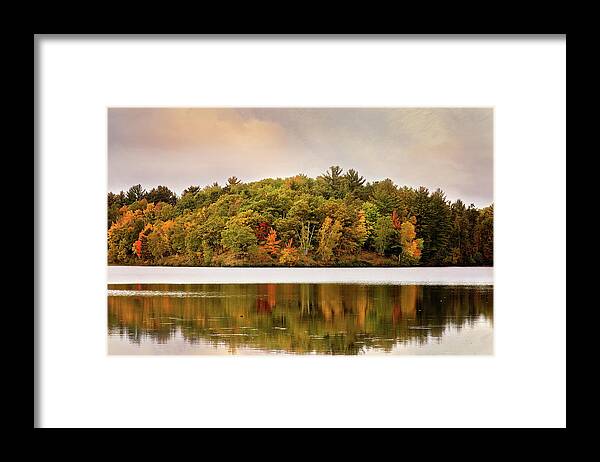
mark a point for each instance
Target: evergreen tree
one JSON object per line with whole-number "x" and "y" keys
{"x": 354, "y": 181}
{"x": 190, "y": 190}
{"x": 334, "y": 181}
{"x": 484, "y": 233}
{"x": 436, "y": 229}
{"x": 161, "y": 194}
{"x": 134, "y": 194}
{"x": 233, "y": 181}
{"x": 385, "y": 196}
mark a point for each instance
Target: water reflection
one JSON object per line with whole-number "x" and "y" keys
{"x": 295, "y": 318}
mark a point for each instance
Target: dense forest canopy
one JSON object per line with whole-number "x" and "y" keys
{"x": 336, "y": 219}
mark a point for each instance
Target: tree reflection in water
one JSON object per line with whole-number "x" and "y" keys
{"x": 295, "y": 318}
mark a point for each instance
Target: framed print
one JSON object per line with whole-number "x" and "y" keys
{"x": 266, "y": 230}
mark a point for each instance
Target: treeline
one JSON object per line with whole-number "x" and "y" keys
{"x": 336, "y": 219}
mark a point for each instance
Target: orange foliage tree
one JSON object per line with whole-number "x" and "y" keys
{"x": 289, "y": 254}
{"x": 272, "y": 243}
{"x": 137, "y": 248}
{"x": 140, "y": 247}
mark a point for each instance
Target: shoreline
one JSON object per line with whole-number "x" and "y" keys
{"x": 448, "y": 275}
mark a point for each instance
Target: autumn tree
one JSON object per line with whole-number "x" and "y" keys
{"x": 159, "y": 242}
{"x": 347, "y": 212}
{"x": 137, "y": 248}
{"x": 329, "y": 238}
{"x": 194, "y": 237}
{"x": 359, "y": 229}
{"x": 289, "y": 254}
{"x": 262, "y": 231}
{"x": 143, "y": 239}
{"x": 409, "y": 247}
{"x": 298, "y": 182}
{"x": 122, "y": 234}
{"x": 305, "y": 237}
{"x": 272, "y": 243}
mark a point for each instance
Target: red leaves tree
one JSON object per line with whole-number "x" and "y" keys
{"x": 137, "y": 248}
{"x": 140, "y": 247}
{"x": 262, "y": 231}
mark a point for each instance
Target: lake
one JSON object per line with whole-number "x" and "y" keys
{"x": 409, "y": 313}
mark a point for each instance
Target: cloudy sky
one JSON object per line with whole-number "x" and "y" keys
{"x": 434, "y": 147}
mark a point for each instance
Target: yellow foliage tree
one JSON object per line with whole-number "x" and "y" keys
{"x": 329, "y": 238}
{"x": 361, "y": 228}
{"x": 289, "y": 254}
{"x": 410, "y": 246}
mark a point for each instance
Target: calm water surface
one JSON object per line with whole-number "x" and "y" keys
{"x": 343, "y": 319}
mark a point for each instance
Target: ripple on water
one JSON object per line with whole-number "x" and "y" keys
{"x": 161, "y": 293}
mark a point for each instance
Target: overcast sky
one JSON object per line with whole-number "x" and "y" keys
{"x": 435, "y": 147}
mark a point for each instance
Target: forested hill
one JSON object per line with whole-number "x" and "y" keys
{"x": 336, "y": 219}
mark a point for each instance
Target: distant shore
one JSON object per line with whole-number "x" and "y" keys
{"x": 476, "y": 275}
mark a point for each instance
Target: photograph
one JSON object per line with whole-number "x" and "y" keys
{"x": 300, "y": 230}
